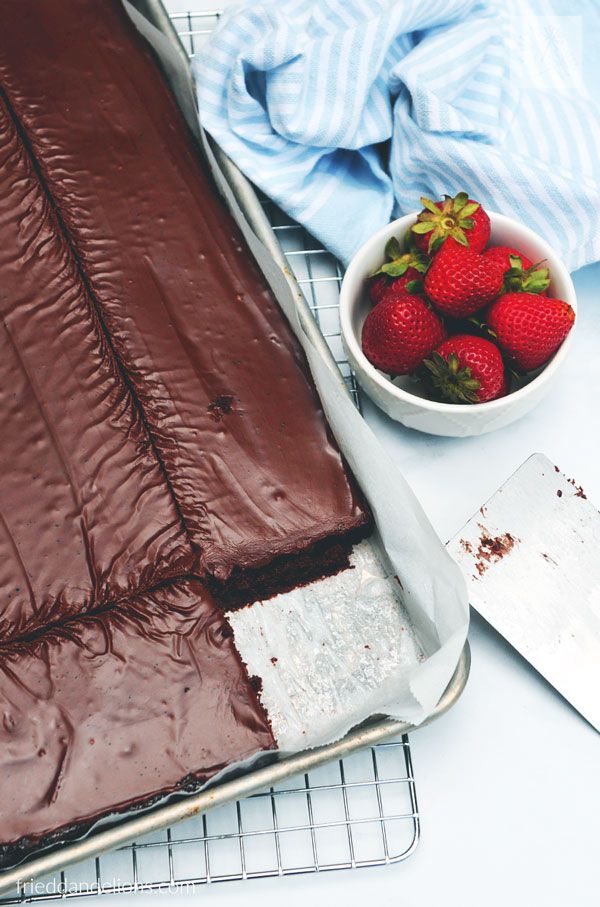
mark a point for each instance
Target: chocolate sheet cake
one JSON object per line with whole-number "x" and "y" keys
{"x": 188, "y": 312}
{"x": 85, "y": 515}
{"x": 139, "y": 700}
{"x": 164, "y": 453}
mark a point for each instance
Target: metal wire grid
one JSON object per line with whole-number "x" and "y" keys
{"x": 358, "y": 811}
{"x": 320, "y": 275}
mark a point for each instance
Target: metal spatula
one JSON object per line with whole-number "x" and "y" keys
{"x": 531, "y": 555}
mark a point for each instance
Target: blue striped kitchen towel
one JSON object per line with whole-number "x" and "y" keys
{"x": 345, "y": 112}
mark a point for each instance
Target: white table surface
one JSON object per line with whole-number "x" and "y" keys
{"x": 508, "y": 781}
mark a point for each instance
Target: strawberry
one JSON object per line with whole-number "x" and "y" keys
{"x": 505, "y": 389}
{"x": 503, "y": 254}
{"x": 400, "y": 270}
{"x": 411, "y": 282}
{"x": 399, "y": 332}
{"x": 378, "y": 288}
{"x": 467, "y": 369}
{"x": 459, "y": 281}
{"x": 457, "y": 221}
{"x": 529, "y": 328}
{"x": 520, "y": 273}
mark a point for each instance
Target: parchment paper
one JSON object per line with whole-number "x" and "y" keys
{"x": 362, "y": 643}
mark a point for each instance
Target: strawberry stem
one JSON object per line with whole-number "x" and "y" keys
{"x": 452, "y": 382}
{"x": 452, "y": 219}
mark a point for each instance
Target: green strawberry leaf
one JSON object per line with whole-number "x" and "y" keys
{"x": 452, "y": 363}
{"x": 537, "y": 282}
{"x": 459, "y": 236}
{"x": 533, "y": 280}
{"x": 392, "y": 249}
{"x": 460, "y": 201}
{"x": 449, "y": 381}
{"x": 436, "y": 362}
{"x": 415, "y": 286}
{"x": 409, "y": 240}
{"x": 395, "y": 268}
{"x": 423, "y": 227}
{"x": 469, "y": 209}
{"x": 430, "y": 205}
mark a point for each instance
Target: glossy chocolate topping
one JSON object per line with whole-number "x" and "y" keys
{"x": 117, "y": 708}
{"x": 85, "y": 514}
{"x": 158, "y": 423}
{"x": 218, "y": 375}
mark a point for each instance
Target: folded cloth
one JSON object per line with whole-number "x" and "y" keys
{"x": 345, "y": 112}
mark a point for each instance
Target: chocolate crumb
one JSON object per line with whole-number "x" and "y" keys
{"x": 491, "y": 550}
{"x": 559, "y": 493}
{"x": 256, "y": 683}
{"x": 579, "y": 492}
{"x": 548, "y": 558}
{"x": 274, "y": 660}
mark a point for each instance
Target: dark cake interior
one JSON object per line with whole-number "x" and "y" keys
{"x": 164, "y": 454}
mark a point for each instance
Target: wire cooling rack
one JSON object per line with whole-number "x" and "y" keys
{"x": 359, "y": 811}
{"x": 354, "y": 812}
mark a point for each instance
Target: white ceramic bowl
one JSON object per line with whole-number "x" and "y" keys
{"x": 403, "y": 399}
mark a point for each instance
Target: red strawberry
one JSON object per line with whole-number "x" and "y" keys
{"x": 399, "y": 332}
{"x": 506, "y": 385}
{"x": 407, "y": 267}
{"x": 378, "y": 288}
{"x": 452, "y": 222}
{"x": 459, "y": 281}
{"x": 382, "y": 285}
{"x": 467, "y": 369}
{"x": 529, "y": 328}
{"x": 503, "y": 255}
{"x": 520, "y": 274}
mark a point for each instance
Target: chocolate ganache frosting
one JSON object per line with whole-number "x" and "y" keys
{"x": 85, "y": 514}
{"x": 164, "y": 455}
{"x": 118, "y": 707}
{"x": 221, "y": 380}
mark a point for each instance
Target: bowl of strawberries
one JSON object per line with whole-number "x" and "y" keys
{"x": 455, "y": 319}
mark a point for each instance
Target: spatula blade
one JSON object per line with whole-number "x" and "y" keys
{"x": 531, "y": 556}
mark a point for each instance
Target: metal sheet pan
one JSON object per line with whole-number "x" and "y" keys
{"x": 374, "y": 731}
